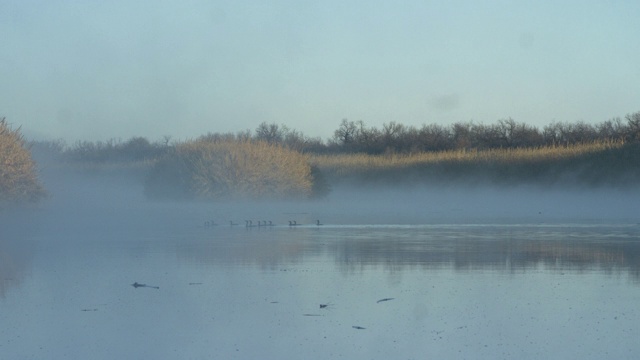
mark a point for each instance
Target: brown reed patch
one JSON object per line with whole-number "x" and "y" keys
{"x": 527, "y": 164}
{"x": 231, "y": 169}
{"x": 18, "y": 176}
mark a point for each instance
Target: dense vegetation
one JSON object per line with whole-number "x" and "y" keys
{"x": 18, "y": 176}
{"x": 505, "y": 134}
{"x": 219, "y": 165}
{"x": 223, "y": 169}
{"x": 393, "y": 138}
{"x": 592, "y": 164}
{"x": 135, "y": 150}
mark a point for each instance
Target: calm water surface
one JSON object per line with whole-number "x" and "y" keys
{"x": 509, "y": 285}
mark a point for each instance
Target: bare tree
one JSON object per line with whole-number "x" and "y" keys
{"x": 462, "y": 135}
{"x": 391, "y": 133}
{"x": 271, "y": 133}
{"x": 347, "y": 132}
{"x": 613, "y": 129}
{"x": 633, "y": 120}
{"x": 435, "y": 137}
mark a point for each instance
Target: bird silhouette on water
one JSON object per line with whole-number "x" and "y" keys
{"x": 137, "y": 285}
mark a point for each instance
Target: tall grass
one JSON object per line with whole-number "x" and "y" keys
{"x": 231, "y": 169}
{"x": 589, "y": 163}
{"x": 354, "y": 163}
{"x": 18, "y": 176}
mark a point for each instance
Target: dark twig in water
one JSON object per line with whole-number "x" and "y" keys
{"x": 137, "y": 285}
{"x": 385, "y": 299}
{"x": 358, "y": 327}
{"x": 195, "y": 283}
{"x": 312, "y": 315}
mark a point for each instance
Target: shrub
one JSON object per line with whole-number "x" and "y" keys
{"x": 230, "y": 169}
{"x": 18, "y": 176}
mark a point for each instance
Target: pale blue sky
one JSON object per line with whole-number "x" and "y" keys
{"x": 95, "y": 70}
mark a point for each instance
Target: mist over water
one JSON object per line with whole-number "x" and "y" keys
{"x": 108, "y": 201}
{"x": 478, "y": 272}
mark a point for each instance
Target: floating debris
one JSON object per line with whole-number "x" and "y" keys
{"x": 137, "y": 285}
{"x": 385, "y": 299}
{"x": 89, "y": 310}
{"x": 312, "y": 315}
{"x": 358, "y": 327}
{"x": 195, "y": 283}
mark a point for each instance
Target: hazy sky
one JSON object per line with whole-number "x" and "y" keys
{"x": 100, "y": 69}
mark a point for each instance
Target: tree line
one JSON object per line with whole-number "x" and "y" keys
{"x": 392, "y": 137}
{"x": 357, "y": 137}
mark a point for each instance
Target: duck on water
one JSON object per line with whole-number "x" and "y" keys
{"x": 294, "y": 223}
{"x": 137, "y": 285}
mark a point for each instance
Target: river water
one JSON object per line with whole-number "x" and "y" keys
{"x": 387, "y": 279}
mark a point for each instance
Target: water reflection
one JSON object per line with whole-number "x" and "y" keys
{"x": 15, "y": 263}
{"x": 503, "y": 248}
{"x": 453, "y": 291}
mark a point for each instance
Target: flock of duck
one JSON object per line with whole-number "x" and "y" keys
{"x": 261, "y": 223}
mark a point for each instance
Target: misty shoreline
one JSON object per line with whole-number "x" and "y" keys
{"x": 121, "y": 190}
{"x": 279, "y": 163}
{"x": 610, "y": 169}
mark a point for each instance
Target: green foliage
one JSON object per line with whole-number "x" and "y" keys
{"x": 18, "y": 175}
{"x": 231, "y": 169}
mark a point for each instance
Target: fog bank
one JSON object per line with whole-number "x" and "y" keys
{"x": 110, "y": 202}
